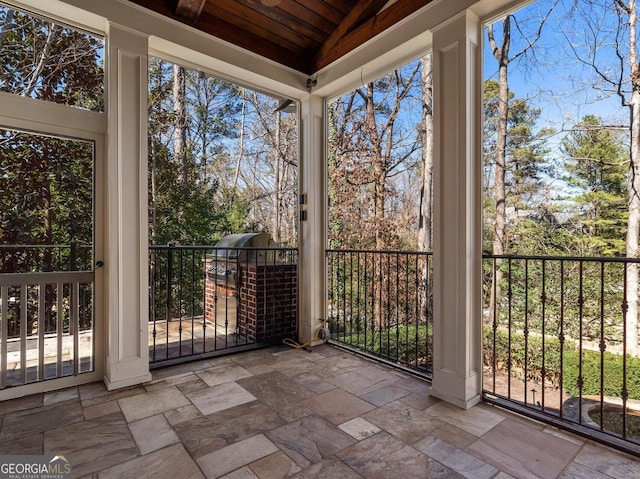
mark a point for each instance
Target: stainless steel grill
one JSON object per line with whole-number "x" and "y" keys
{"x": 238, "y": 249}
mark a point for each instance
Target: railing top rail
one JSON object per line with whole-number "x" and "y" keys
{"x": 596, "y": 259}
{"x": 18, "y": 279}
{"x": 219, "y": 248}
{"x": 44, "y": 246}
{"x": 379, "y": 251}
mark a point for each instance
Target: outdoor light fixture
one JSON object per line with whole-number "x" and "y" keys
{"x": 286, "y": 106}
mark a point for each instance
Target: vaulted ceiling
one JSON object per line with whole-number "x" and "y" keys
{"x": 306, "y": 35}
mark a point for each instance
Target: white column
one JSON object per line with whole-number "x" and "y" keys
{"x": 126, "y": 264}
{"x": 311, "y": 261}
{"x": 457, "y": 249}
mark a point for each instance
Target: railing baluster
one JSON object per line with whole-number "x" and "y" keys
{"x": 4, "y": 334}
{"x": 580, "y": 336}
{"x": 495, "y": 325}
{"x": 24, "y": 324}
{"x": 358, "y": 315}
{"x": 603, "y": 345}
{"x": 366, "y": 303}
{"x": 193, "y": 300}
{"x": 624, "y": 393}
{"x": 59, "y": 327}
{"x": 180, "y": 298}
{"x": 526, "y": 326}
{"x": 561, "y": 336}
{"x": 510, "y": 326}
{"x": 75, "y": 320}
{"x": 169, "y": 298}
{"x": 543, "y": 300}
{"x": 41, "y": 329}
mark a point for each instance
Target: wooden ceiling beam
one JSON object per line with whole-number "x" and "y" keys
{"x": 189, "y": 10}
{"x": 364, "y": 10}
{"x": 366, "y": 31}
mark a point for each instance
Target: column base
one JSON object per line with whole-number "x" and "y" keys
{"x": 461, "y": 392}
{"x": 125, "y": 374}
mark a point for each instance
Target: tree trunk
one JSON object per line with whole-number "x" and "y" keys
{"x": 501, "y": 54}
{"x": 241, "y": 143}
{"x": 379, "y": 185}
{"x": 276, "y": 187}
{"x": 180, "y": 111}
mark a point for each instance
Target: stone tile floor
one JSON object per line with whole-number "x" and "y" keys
{"x": 288, "y": 413}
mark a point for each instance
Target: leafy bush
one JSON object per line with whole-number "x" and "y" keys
{"x": 611, "y": 381}
{"x": 529, "y": 360}
{"x": 408, "y": 344}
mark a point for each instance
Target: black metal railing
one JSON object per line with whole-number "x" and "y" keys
{"x": 559, "y": 345}
{"x": 380, "y": 304}
{"x": 205, "y": 301}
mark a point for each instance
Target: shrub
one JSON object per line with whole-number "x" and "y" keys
{"x": 407, "y": 344}
{"x": 529, "y": 360}
{"x": 611, "y": 381}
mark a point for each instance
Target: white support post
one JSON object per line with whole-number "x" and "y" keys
{"x": 311, "y": 261}
{"x": 457, "y": 291}
{"x": 126, "y": 263}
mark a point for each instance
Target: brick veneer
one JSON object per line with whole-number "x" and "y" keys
{"x": 268, "y": 308}
{"x": 268, "y": 302}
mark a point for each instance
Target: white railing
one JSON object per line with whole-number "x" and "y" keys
{"x": 41, "y": 336}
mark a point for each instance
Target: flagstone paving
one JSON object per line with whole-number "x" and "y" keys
{"x": 282, "y": 413}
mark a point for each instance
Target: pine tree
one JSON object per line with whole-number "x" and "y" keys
{"x": 597, "y": 166}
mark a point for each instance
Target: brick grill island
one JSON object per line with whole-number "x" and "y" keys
{"x": 257, "y": 296}
{"x": 268, "y": 309}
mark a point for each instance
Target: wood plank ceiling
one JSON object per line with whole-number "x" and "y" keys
{"x": 306, "y": 35}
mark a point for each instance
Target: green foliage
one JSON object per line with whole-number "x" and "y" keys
{"x": 50, "y": 62}
{"x": 585, "y": 295}
{"x": 187, "y": 202}
{"x": 46, "y": 195}
{"x": 405, "y": 344}
{"x": 611, "y": 381}
{"x": 527, "y": 167}
{"x": 527, "y": 362}
{"x": 596, "y": 166}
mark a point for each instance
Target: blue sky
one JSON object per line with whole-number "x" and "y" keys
{"x": 552, "y": 76}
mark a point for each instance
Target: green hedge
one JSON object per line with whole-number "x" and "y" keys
{"x": 570, "y": 367}
{"x": 521, "y": 360}
{"x": 397, "y": 344}
{"x": 612, "y": 380}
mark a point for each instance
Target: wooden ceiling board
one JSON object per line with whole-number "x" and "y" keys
{"x": 364, "y": 10}
{"x": 259, "y": 25}
{"x": 344, "y": 7}
{"x": 305, "y": 35}
{"x": 285, "y": 14}
{"x": 265, "y": 48}
{"x": 372, "y": 27}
